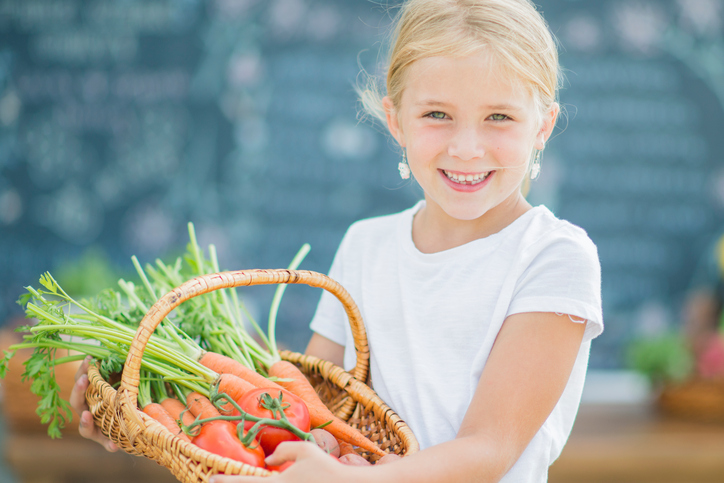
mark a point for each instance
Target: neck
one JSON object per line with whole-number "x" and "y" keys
{"x": 434, "y": 231}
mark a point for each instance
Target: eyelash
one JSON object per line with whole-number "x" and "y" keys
{"x": 433, "y": 116}
{"x": 505, "y": 118}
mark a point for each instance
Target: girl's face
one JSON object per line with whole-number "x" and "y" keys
{"x": 469, "y": 133}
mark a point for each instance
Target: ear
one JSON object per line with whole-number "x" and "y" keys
{"x": 393, "y": 121}
{"x": 549, "y": 122}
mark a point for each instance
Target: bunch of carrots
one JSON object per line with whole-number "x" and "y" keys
{"x": 204, "y": 376}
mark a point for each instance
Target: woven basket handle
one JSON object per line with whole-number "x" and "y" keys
{"x": 128, "y": 391}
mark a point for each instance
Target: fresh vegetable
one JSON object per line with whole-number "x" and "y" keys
{"x": 345, "y": 448}
{"x": 234, "y": 387}
{"x": 101, "y": 328}
{"x": 198, "y": 349}
{"x": 220, "y": 437}
{"x": 159, "y": 413}
{"x": 156, "y": 411}
{"x": 201, "y": 407}
{"x": 177, "y": 410}
{"x": 104, "y": 327}
{"x": 291, "y": 378}
{"x": 326, "y": 441}
{"x": 353, "y": 459}
{"x": 226, "y": 365}
{"x": 261, "y": 403}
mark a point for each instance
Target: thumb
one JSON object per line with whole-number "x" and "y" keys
{"x": 290, "y": 451}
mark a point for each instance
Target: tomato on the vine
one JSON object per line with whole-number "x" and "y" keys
{"x": 295, "y": 410}
{"x": 220, "y": 437}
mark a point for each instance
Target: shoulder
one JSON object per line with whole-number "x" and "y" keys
{"x": 557, "y": 250}
{"x": 378, "y": 226}
{"x": 558, "y": 271}
{"x": 546, "y": 232}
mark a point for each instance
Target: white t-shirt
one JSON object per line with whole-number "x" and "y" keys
{"x": 431, "y": 319}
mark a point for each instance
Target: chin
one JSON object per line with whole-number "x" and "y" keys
{"x": 466, "y": 213}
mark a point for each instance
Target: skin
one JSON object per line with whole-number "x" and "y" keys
{"x": 480, "y": 123}
{"x": 446, "y": 121}
{"x": 87, "y": 428}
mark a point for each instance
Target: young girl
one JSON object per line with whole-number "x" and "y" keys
{"x": 479, "y": 308}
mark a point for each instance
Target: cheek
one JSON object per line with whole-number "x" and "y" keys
{"x": 511, "y": 148}
{"x": 425, "y": 143}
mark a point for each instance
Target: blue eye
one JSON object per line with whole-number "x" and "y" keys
{"x": 499, "y": 117}
{"x": 437, "y": 115}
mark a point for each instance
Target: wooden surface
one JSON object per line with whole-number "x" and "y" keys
{"x": 635, "y": 444}
{"x": 35, "y": 458}
{"x": 609, "y": 444}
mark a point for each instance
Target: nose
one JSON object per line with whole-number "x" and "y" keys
{"x": 466, "y": 143}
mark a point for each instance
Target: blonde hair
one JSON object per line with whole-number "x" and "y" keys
{"x": 512, "y": 30}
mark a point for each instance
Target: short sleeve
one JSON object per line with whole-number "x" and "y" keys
{"x": 330, "y": 319}
{"x": 562, "y": 274}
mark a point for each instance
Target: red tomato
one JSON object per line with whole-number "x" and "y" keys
{"x": 280, "y": 467}
{"x": 219, "y": 437}
{"x": 294, "y": 409}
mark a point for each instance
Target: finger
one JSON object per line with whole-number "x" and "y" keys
{"x": 290, "y": 451}
{"x": 87, "y": 427}
{"x": 89, "y": 430}
{"x": 77, "y": 395}
{"x": 83, "y": 368}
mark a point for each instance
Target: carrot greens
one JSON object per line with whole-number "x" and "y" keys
{"x": 103, "y": 327}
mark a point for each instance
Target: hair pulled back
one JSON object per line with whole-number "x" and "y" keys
{"x": 511, "y": 30}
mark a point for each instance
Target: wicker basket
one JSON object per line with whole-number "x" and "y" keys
{"x": 695, "y": 400}
{"x": 118, "y": 416}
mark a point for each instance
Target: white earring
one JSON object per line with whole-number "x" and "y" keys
{"x": 403, "y": 167}
{"x": 535, "y": 167}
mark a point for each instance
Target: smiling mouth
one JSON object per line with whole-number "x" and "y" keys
{"x": 468, "y": 179}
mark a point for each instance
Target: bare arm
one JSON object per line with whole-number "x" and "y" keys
{"x": 320, "y": 346}
{"x": 523, "y": 380}
{"x": 524, "y": 377}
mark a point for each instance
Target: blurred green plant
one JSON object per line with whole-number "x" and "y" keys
{"x": 662, "y": 359}
{"x": 86, "y": 275}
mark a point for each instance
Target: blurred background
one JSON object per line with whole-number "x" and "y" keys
{"x": 122, "y": 121}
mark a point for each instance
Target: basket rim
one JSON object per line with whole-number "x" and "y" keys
{"x": 128, "y": 390}
{"x": 358, "y": 391}
{"x": 148, "y": 437}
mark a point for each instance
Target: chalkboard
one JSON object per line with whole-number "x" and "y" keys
{"x": 122, "y": 121}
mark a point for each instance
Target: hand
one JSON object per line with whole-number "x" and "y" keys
{"x": 87, "y": 427}
{"x": 311, "y": 465}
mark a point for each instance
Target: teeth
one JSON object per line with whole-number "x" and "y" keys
{"x": 467, "y": 178}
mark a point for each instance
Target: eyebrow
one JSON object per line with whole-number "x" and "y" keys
{"x": 495, "y": 107}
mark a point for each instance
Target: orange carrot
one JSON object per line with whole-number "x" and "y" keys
{"x": 157, "y": 412}
{"x": 234, "y": 387}
{"x": 200, "y": 406}
{"x": 318, "y": 411}
{"x": 226, "y": 365}
{"x": 345, "y": 448}
{"x": 177, "y": 410}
